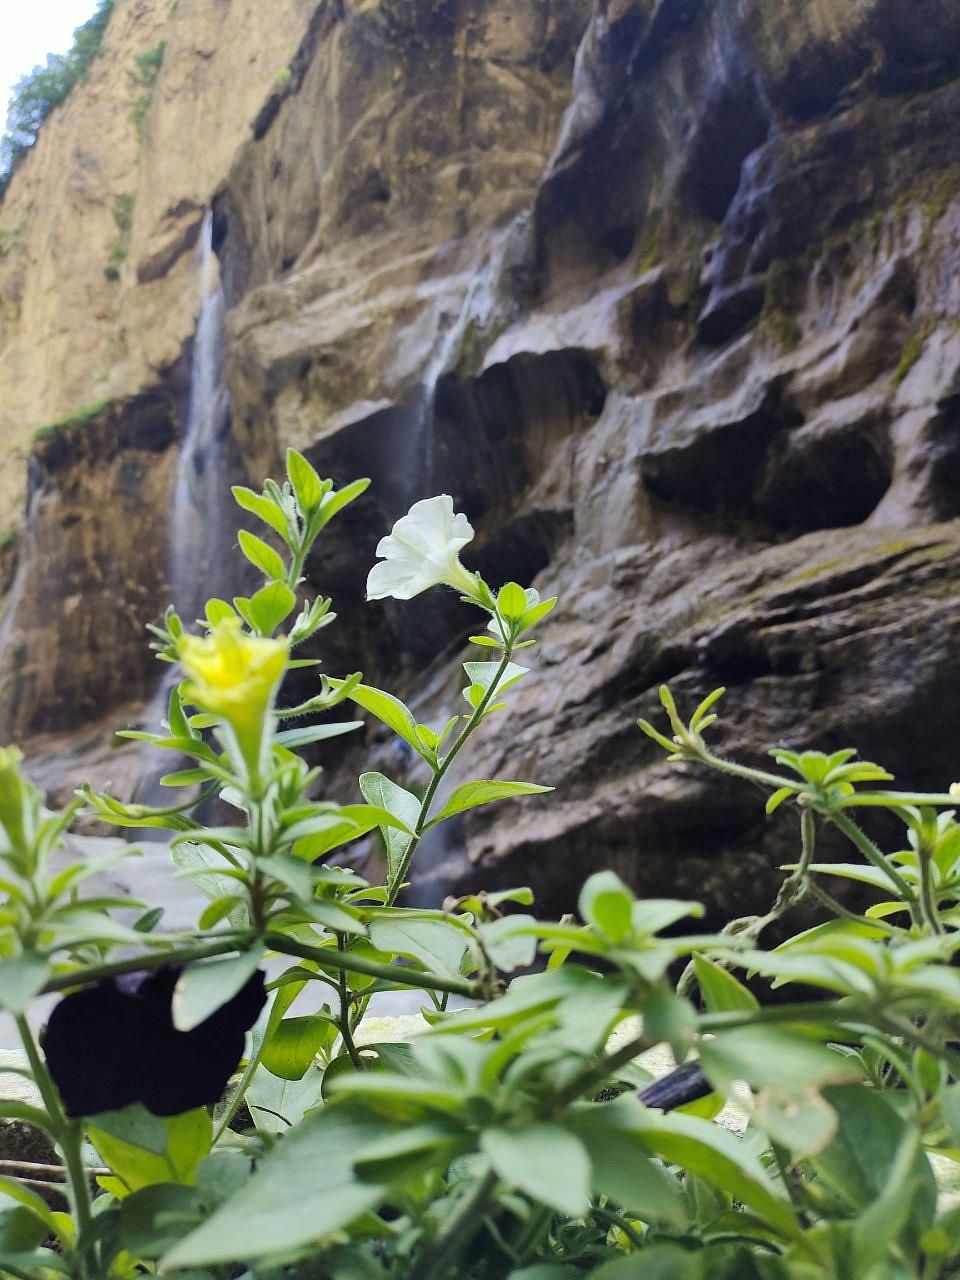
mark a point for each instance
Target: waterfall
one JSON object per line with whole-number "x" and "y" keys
{"x": 200, "y": 525}
{"x": 476, "y": 308}
{"x": 198, "y": 546}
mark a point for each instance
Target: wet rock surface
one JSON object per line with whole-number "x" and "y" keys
{"x": 666, "y": 295}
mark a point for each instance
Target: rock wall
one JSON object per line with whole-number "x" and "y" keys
{"x": 96, "y": 228}
{"x": 666, "y": 294}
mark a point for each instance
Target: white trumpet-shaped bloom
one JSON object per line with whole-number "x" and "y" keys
{"x": 422, "y": 551}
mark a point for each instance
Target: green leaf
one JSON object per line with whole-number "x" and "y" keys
{"x": 773, "y": 1057}
{"x": 154, "y": 1218}
{"x": 11, "y": 1189}
{"x": 859, "y": 871}
{"x": 261, "y": 555}
{"x": 353, "y": 821}
{"x": 407, "y": 1152}
{"x": 217, "y": 611}
{"x": 302, "y": 1190}
{"x": 483, "y": 675}
{"x": 10, "y": 1109}
{"x": 21, "y": 978}
{"x": 511, "y": 602}
{"x": 20, "y": 1231}
{"x": 548, "y": 1271}
{"x": 184, "y": 778}
{"x": 264, "y": 508}
{"x": 671, "y": 1018}
{"x": 380, "y": 791}
{"x": 204, "y": 987}
{"x": 545, "y": 1161}
{"x": 536, "y": 613}
{"x": 622, "y": 1168}
{"x": 206, "y": 868}
{"x": 269, "y": 606}
{"x": 510, "y": 942}
{"x": 651, "y": 915}
{"x": 307, "y": 485}
{"x": 438, "y": 946}
{"x": 294, "y": 1045}
{"x": 292, "y": 738}
{"x": 143, "y": 1149}
{"x": 950, "y": 1111}
{"x": 277, "y": 1105}
{"x": 335, "y": 502}
{"x": 388, "y": 709}
{"x": 709, "y": 1152}
{"x": 220, "y": 910}
{"x": 607, "y": 904}
{"x": 858, "y": 1162}
{"x": 659, "y": 1262}
{"x": 721, "y": 991}
{"x": 800, "y": 1122}
{"x": 471, "y": 794}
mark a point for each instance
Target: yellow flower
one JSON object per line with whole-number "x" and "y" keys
{"x": 235, "y": 677}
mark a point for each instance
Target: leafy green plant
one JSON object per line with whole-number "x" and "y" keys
{"x": 522, "y": 1132}
{"x": 123, "y": 217}
{"x": 38, "y": 94}
{"x": 73, "y": 420}
{"x": 143, "y": 77}
{"x": 11, "y": 240}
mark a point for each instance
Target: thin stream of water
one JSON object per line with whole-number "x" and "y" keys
{"x": 198, "y": 545}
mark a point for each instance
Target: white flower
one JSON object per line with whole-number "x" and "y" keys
{"x": 421, "y": 551}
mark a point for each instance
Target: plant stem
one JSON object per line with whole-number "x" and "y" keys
{"x": 759, "y": 776}
{"x": 808, "y": 1011}
{"x": 406, "y": 976}
{"x": 459, "y": 1228}
{"x": 67, "y": 1133}
{"x": 838, "y": 909}
{"x": 595, "y": 1075}
{"x": 345, "y": 1032}
{"x": 878, "y": 859}
{"x": 928, "y": 898}
{"x": 153, "y": 960}
{"x": 397, "y": 881}
{"x": 621, "y": 1224}
{"x": 472, "y": 723}
{"x": 531, "y": 1232}
{"x": 239, "y": 1094}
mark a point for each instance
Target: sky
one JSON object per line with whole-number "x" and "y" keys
{"x": 33, "y": 29}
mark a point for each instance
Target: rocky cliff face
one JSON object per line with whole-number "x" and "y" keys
{"x": 666, "y": 294}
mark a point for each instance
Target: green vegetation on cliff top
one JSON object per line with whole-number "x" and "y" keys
{"x": 37, "y": 94}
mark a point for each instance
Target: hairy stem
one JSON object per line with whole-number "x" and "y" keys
{"x": 473, "y": 722}
{"x": 928, "y": 897}
{"x": 838, "y": 909}
{"x": 877, "y": 859}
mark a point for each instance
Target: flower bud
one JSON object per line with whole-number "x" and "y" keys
{"x": 235, "y": 676}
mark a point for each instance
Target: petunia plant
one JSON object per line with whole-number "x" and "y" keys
{"x": 617, "y": 1093}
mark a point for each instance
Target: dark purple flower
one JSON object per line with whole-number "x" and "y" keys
{"x": 114, "y": 1043}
